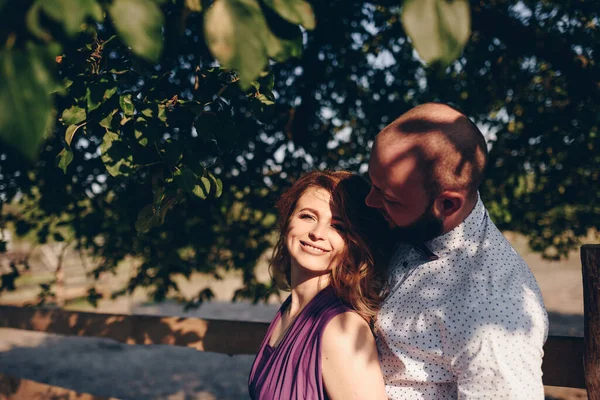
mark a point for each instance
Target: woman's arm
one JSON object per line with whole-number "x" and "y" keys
{"x": 350, "y": 364}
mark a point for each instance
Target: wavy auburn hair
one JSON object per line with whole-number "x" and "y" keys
{"x": 360, "y": 277}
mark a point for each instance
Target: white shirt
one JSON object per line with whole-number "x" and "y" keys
{"x": 470, "y": 324}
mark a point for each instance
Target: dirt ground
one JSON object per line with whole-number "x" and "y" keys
{"x": 107, "y": 368}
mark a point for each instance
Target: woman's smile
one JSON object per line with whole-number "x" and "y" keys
{"x": 310, "y": 248}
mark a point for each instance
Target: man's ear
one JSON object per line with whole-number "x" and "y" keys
{"x": 449, "y": 203}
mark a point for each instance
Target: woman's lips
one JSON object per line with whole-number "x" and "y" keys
{"x": 313, "y": 248}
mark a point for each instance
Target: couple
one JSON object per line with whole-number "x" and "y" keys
{"x": 452, "y": 312}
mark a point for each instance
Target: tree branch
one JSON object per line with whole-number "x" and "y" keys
{"x": 490, "y": 20}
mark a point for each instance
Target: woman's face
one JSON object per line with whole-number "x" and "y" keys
{"x": 315, "y": 236}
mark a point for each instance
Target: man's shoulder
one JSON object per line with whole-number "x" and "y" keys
{"x": 489, "y": 248}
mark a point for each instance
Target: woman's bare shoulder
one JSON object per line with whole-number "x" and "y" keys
{"x": 347, "y": 331}
{"x": 350, "y": 364}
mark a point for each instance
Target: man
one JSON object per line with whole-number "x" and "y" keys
{"x": 464, "y": 318}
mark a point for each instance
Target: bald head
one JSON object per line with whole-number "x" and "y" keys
{"x": 449, "y": 149}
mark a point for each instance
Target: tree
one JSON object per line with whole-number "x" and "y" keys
{"x": 194, "y": 159}
{"x": 527, "y": 74}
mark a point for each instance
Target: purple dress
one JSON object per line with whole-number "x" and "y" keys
{"x": 292, "y": 370}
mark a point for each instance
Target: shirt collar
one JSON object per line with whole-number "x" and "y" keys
{"x": 470, "y": 227}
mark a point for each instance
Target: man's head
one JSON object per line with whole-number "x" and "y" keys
{"x": 425, "y": 168}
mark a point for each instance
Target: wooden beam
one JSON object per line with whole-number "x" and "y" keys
{"x": 562, "y": 366}
{"x": 16, "y": 388}
{"x": 590, "y": 264}
{"x": 219, "y": 336}
{"x": 563, "y": 362}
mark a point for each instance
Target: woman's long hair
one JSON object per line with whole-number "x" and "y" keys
{"x": 360, "y": 277}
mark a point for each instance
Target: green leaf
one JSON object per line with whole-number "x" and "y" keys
{"x": 139, "y": 22}
{"x": 66, "y": 84}
{"x": 32, "y": 20}
{"x": 72, "y": 13}
{"x": 63, "y": 159}
{"x": 236, "y": 33}
{"x": 217, "y": 185}
{"x": 268, "y": 81}
{"x": 185, "y": 179}
{"x": 106, "y": 122}
{"x": 126, "y": 105}
{"x": 298, "y": 12}
{"x": 438, "y": 29}
{"x": 281, "y": 49}
{"x": 147, "y": 112}
{"x": 26, "y": 81}
{"x": 255, "y": 85}
{"x": 197, "y": 168}
{"x": 162, "y": 113}
{"x": 98, "y": 93}
{"x": 202, "y": 189}
{"x": 71, "y": 132}
{"x": 264, "y": 99}
{"x": 73, "y": 115}
{"x": 164, "y": 208}
{"x": 147, "y": 219}
{"x": 205, "y": 183}
{"x": 194, "y": 5}
{"x": 141, "y": 139}
{"x": 144, "y": 133}
{"x": 159, "y": 195}
{"x": 116, "y": 155}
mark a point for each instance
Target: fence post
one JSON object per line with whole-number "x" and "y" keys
{"x": 590, "y": 264}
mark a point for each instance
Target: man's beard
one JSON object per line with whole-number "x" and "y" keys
{"x": 425, "y": 228}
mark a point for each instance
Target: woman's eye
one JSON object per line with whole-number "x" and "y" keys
{"x": 306, "y": 216}
{"x": 339, "y": 227}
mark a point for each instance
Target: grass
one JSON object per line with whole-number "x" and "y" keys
{"x": 33, "y": 279}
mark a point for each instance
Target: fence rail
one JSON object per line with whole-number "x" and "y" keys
{"x": 568, "y": 361}
{"x": 562, "y": 361}
{"x": 218, "y": 336}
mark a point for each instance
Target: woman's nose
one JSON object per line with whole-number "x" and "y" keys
{"x": 317, "y": 232}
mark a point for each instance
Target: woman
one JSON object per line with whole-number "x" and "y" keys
{"x": 320, "y": 344}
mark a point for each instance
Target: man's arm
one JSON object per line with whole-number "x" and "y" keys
{"x": 497, "y": 363}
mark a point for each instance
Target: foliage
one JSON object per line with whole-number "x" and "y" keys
{"x": 193, "y": 155}
{"x": 438, "y": 28}
{"x": 134, "y": 124}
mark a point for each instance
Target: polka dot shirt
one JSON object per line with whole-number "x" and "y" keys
{"x": 464, "y": 318}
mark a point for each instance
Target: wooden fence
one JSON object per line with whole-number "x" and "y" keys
{"x": 568, "y": 361}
